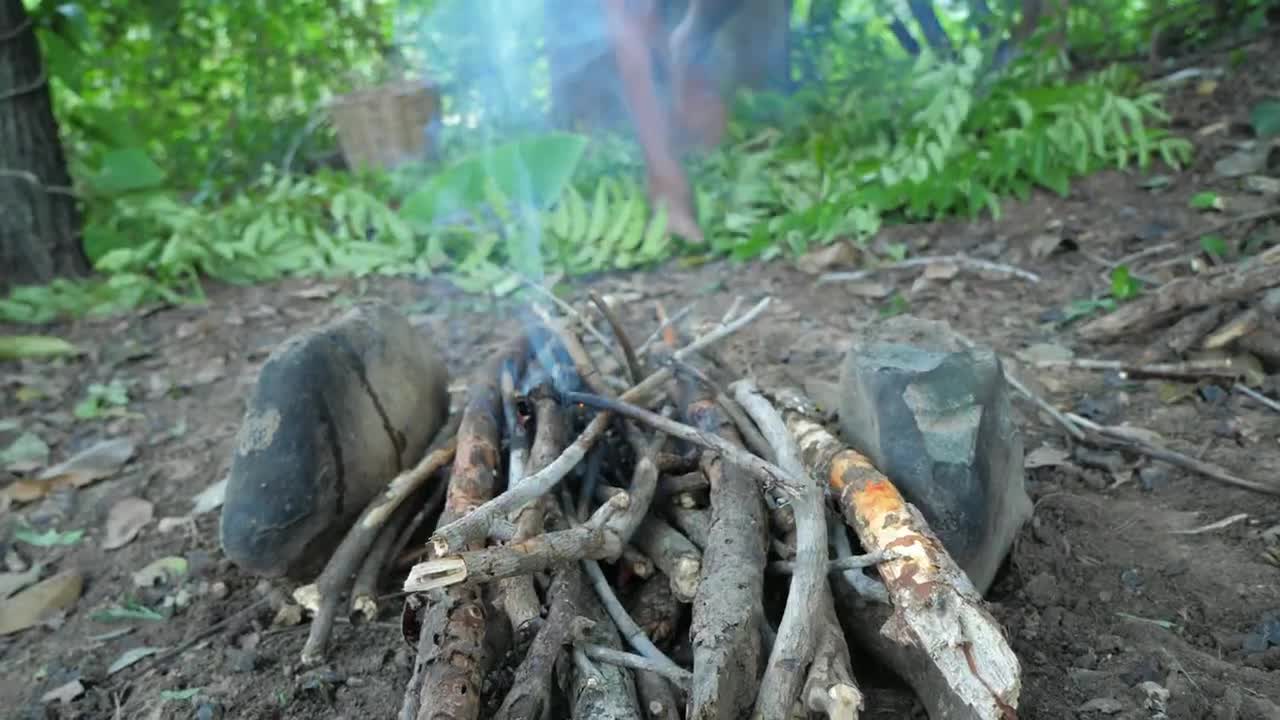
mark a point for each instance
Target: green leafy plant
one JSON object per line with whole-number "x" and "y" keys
{"x": 1123, "y": 285}
{"x": 1215, "y": 246}
{"x": 1206, "y": 201}
{"x": 177, "y": 149}
{"x": 103, "y": 400}
{"x": 48, "y": 538}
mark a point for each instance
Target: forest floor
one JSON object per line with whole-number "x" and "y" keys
{"x": 1102, "y": 592}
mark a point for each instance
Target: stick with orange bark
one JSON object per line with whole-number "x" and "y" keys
{"x": 941, "y": 638}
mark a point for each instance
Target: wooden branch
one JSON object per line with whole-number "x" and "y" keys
{"x": 1217, "y": 367}
{"x": 770, "y": 476}
{"x": 695, "y": 523}
{"x": 631, "y": 632}
{"x": 601, "y": 690}
{"x": 956, "y": 655}
{"x": 793, "y": 649}
{"x": 531, "y": 690}
{"x": 1124, "y": 438}
{"x": 673, "y": 554}
{"x": 909, "y": 263}
{"x": 1226, "y": 283}
{"x": 517, "y": 595}
{"x": 634, "y": 370}
{"x": 611, "y": 656}
{"x": 322, "y": 596}
{"x": 837, "y": 565}
{"x": 725, "y": 628}
{"x": 658, "y": 614}
{"x": 478, "y": 523}
{"x": 592, "y": 541}
{"x": 364, "y": 591}
{"x": 455, "y": 674}
{"x": 829, "y": 687}
{"x": 866, "y": 588}
{"x": 644, "y": 485}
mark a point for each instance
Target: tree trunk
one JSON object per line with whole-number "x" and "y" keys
{"x": 39, "y": 216}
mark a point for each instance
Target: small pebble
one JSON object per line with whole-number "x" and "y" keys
{"x": 1213, "y": 394}
{"x": 1131, "y": 579}
{"x": 219, "y": 590}
{"x": 1152, "y": 478}
{"x": 241, "y": 661}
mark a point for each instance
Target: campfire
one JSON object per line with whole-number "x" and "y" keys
{"x": 668, "y": 540}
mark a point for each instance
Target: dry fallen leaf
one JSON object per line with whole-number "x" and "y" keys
{"x": 64, "y": 693}
{"x": 837, "y": 254}
{"x": 130, "y": 657}
{"x": 125, "y": 520}
{"x": 101, "y": 460}
{"x": 12, "y": 582}
{"x": 25, "y": 491}
{"x": 24, "y": 454}
{"x": 37, "y": 602}
{"x": 1043, "y": 245}
{"x": 210, "y": 498}
{"x": 1045, "y": 456}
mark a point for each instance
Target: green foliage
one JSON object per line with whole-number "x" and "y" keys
{"x": 1206, "y": 201}
{"x": 1265, "y": 118}
{"x": 205, "y": 93}
{"x": 179, "y": 117}
{"x": 1214, "y": 245}
{"x": 940, "y": 145}
{"x": 49, "y": 538}
{"x": 102, "y": 400}
{"x": 1123, "y": 285}
{"x": 17, "y": 347}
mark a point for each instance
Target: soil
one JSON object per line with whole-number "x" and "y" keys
{"x": 1111, "y": 611}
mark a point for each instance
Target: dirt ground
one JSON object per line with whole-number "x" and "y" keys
{"x": 1100, "y": 596}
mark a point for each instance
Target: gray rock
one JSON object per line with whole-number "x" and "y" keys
{"x": 337, "y": 411}
{"x": 935, "y": 418}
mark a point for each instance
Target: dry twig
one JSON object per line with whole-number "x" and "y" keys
{"x": 793, "y": 649}
{"x": 1130, "y": 439}
{"x": 1227, "y": 283}
{"x": 477, "y": 524}
{"x": 323, "y": 595}
{"x": 963, "y": 260}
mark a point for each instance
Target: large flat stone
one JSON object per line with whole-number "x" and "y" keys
{"x": 935, "y": 417}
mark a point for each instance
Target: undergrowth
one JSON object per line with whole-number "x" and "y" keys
{"x": 836, "y": 162}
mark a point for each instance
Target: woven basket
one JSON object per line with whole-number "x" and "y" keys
{"x": 384, "y": 126}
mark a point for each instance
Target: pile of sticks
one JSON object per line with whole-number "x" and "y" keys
{"x": 679, "y": 549}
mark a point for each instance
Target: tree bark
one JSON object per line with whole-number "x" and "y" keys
{"x": 39, "y": 215}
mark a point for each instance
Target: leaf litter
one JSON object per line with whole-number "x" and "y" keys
{"x": 101, "y": 460}
{"x": 125, "y": 520}
{"x": 40, "y": 601}
{"x": 64, "y": 693}
{"x": 12, "y": 582}
{"x": 132, "y": 656}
